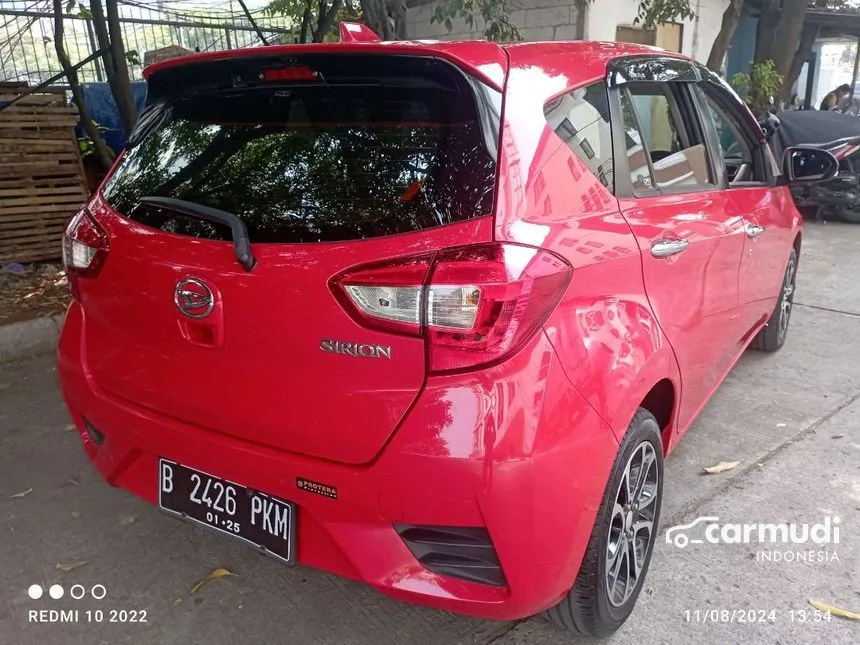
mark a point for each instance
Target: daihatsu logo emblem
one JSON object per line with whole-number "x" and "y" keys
{"x": 193, "y": 298}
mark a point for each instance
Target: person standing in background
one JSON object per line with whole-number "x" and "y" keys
{"x": 835, "y": 97}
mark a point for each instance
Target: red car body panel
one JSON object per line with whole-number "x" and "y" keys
{"x": 489, "y": 449}
{"x": 764, "y": 257}
{"x": 246, "y": 394}
{"x": 694, "y": 295}
{"x": 232, "y": 354}
{"x": 610, "y": 344}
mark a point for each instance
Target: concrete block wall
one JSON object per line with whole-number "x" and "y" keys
{"x": 558, "y": 20}
{"x": 535, "y": 19}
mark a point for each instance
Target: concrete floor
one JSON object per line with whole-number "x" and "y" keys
{"x": 792, "y": 418}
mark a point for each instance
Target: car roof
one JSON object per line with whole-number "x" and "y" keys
{"x": 483, "y": 58}
{"x": 581, "y": 61}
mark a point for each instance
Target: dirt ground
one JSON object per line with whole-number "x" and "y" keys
{"x": 41, "y": 289}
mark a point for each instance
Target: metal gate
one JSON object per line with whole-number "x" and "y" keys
{"x": 27, "y": 53}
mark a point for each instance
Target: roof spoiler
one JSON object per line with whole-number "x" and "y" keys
{"x": 355, "y": 32}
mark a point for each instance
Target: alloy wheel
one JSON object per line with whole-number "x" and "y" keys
{"x": 631, "y": 528}
{"x": 787, "y": 297}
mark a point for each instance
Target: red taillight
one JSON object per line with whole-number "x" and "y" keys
{"x": 475, "y": 305}
{"x": 85, "y": 248}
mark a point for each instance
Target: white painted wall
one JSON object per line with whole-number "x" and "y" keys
{"x": 699, "y": 34}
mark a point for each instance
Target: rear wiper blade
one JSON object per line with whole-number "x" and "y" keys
{"x": 238, "y": 229}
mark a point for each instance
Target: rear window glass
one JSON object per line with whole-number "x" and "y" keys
{"x": 312, "y": 163}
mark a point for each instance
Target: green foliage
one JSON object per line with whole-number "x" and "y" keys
{"x": 656, "y": 12}
{"x": 498, "y": 26}
{"x": 493, "y": 13}
{"x": 295, "y": 11}
{"x": 86, "y": 146}
{"x": 132, "y": 56}
{"x": 82, "y": 11}
{"x": 759, "y": 86}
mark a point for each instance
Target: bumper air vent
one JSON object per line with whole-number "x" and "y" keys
{"x": 459, "y": 552}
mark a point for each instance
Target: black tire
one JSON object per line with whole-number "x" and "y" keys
{"x": 772, "y": 336}
{"x": 850, "y": 215}
{"x": 587, "y": 608}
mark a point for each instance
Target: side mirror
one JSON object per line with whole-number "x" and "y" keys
{"x": 808, "y": 165}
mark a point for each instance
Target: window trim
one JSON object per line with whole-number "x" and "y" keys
{"x": 619, "y": 153}
{"x": 664, "y": 69}
{"x": 726, "y": 104}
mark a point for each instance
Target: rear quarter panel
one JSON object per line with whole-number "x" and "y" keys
{"x": 604, "y": 331}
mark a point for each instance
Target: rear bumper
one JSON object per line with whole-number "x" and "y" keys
{"x": 514, "y": 449}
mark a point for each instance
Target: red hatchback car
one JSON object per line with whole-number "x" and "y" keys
{"x": 427, "y": 315}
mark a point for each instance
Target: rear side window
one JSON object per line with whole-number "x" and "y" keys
{"x": 581, "y": 119}
{"x": 348, "y": 159}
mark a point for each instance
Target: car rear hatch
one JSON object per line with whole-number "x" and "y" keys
{"x": 328, "y": 160}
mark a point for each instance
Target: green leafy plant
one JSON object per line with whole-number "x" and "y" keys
{"x": 498, "y": 26}
{"x": 656, "y": 12}
{"x": 759, "y": 86}
{"x": 87, "y": 147}
{"x": 651, "y": 13}
{"x": 315, "y": 20}
{"x": 492, "y": 13}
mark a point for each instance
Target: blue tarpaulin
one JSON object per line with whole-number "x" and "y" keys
{"x": 103, "y": 111}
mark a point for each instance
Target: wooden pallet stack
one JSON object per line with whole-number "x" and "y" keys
{"x": 42, "y": 180}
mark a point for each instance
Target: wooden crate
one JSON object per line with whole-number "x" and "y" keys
{"x": 42, "y": 180}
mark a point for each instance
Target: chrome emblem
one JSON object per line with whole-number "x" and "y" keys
{"x": 358, "y": 350}
{"x": 193, "y": 298}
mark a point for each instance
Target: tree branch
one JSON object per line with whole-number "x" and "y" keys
{"x": 102, "y": 151}
{"x": 306, "y": 22}
{"x": 804, "y": 51}
{"x": 122, "y": 89}
{"x": 100, "y": 27}
{"x": 326, "y": 19}
{"x": 731, "y": 17}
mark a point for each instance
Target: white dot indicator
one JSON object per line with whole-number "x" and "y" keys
{"x": 56, "y": 592}
{"x": 35, "y": 592}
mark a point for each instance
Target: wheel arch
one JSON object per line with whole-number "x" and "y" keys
{"x": 657, "y": 389}
{"x": 662, "y": 401}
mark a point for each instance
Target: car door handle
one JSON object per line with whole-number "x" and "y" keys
{"x": 754, "y": 230}
{"x": 666, "y": 248}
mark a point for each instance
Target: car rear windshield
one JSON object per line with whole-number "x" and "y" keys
{"x": 314, "y": 162}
